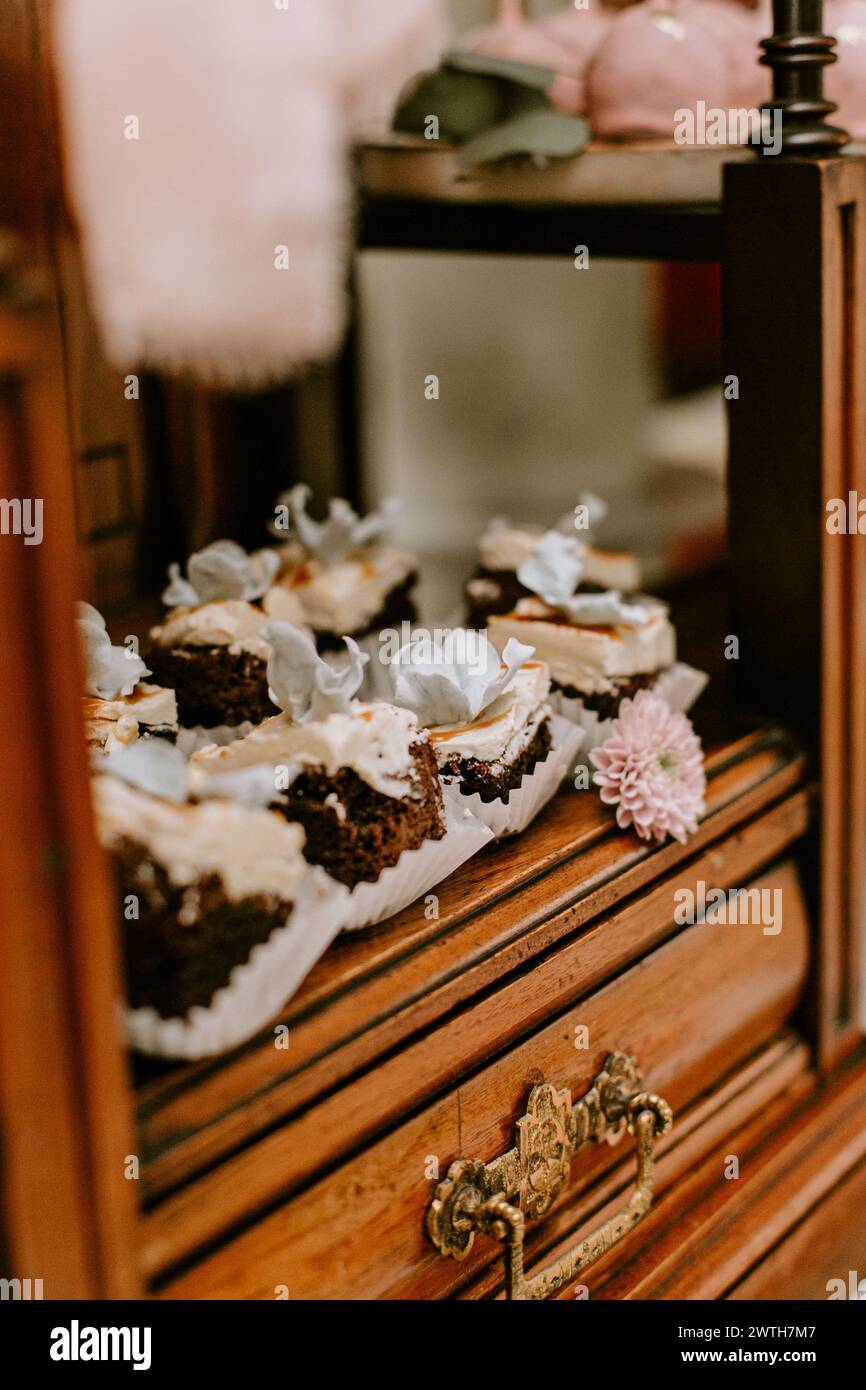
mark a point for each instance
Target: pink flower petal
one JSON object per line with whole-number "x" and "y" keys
{"x": 651, "y": 768}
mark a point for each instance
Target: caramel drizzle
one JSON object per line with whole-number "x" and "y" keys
{"x": 442, "y": 735}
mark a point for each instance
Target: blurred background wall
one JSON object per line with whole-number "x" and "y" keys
{"x": 545, "y": 372}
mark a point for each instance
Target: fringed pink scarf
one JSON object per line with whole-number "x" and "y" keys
{"x": 206, "y": 144}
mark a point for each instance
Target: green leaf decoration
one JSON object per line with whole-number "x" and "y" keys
{"x": 464, "y": 103}
{"x": 547, "y": 133}
{"x": 492, "y": 108}
{"x": 510, "y": 69}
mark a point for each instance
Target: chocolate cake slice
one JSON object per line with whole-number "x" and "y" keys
{"x": 491, "y": 755}
{"x": 494, "y": 780}
{"x": 487, "y": 717}
{"x": 606, "y": 703}
{"x": 601, "y": 664}
{"x": 495, "y": 588}
{"x": 354, "y": 831}
{"x": 198, "y": 886}
{"x": 119, "y": 706}
{"x": 360, "y": 778}
{"x": 217, "y": 662}
{"x": 347, "y": 581}
{"x": 209, "y": 649}
{"x": 600, "y": 647}
{"x": 362, "y": 784}
{"x": 364, "y": 592}
{"x": 221, "y": 682}
{"x": 149, "y": 712}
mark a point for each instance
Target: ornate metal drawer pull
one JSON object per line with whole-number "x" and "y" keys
{"x": 497, "y": 1198}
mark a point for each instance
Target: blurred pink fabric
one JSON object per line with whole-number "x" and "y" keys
{"x": 244, "y": 117}
{"x": 845, "y": 81}
{"x": 657, "y": 58}
{"x": 580, "y": 33}
{"x": 512, "y": 36}
{"x": 631, "y": 67}
{"x": 738, "y": 31}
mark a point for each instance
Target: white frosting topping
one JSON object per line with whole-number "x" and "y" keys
{"x": 115, "y": 723}
{"x": 343, "y": 598}
{"x": 231, "y": 623}
{"x": 110, "y": 735}
{"x": 508, "y": 547}
{"x": 612, "y": 569}
{"x": 253, "y": 850}
{"x": 505, "y": 727}
{"x": 148, "y": 704}
{"x": 373, "y": 740}
{"x": 589, "y": 658}
{"x": 483, "y": 590}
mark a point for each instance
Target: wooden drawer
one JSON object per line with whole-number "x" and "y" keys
{"x": 824, "y": 1256}
{"x": 782, "y": 1225}
{"x": 693, "y": 1011}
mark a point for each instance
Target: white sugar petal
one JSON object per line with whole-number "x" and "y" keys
{"x": 452, "y": 678}
{"x": 153, "y": 766}
{"x": 554, "y": 568}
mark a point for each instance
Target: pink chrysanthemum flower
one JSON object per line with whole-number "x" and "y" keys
{"x": 651, "y": 769}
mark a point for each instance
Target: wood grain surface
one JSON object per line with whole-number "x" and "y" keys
{"x": 690, "y": 1010}
{"x": 64, "y": 1096}
{"x": 706, "y": 1248}
{"x": 797, "y": 436}
{"x": 828, "y": 1244}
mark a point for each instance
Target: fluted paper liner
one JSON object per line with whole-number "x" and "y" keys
{"x": 417, "y": 871}
{"x": 536, "y": 788}
{"x": 679, "y": 686}
{"x": 257, "y": 989}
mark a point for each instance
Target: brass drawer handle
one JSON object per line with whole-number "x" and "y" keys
{"x": 498, "y": 1198}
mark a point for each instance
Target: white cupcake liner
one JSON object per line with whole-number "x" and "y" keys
{"x": 679, "y": 686}
{"x": 536, "y": 788}
{"x": 417, "y": 871}
{"x": 190, "y": 740}
{"x": 257, "y": 989}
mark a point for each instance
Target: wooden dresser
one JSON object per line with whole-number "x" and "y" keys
{"x": 308, "y": 1161}
{"x": 519, "y": 1039}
